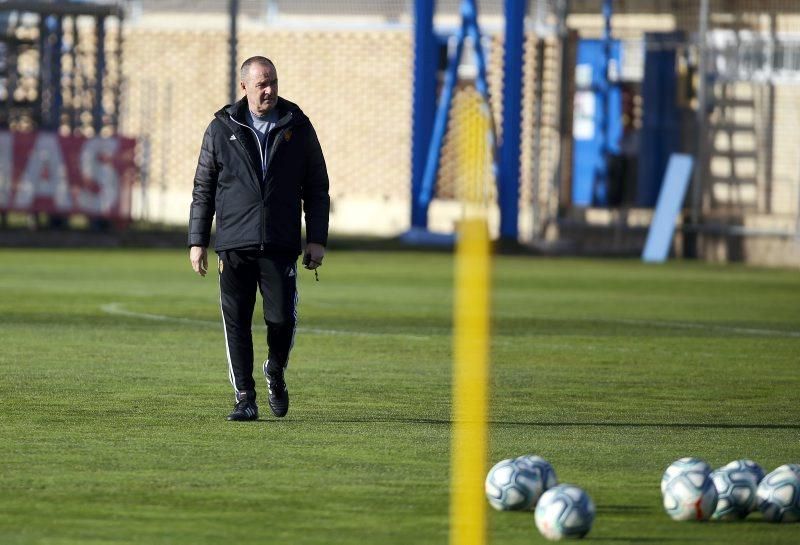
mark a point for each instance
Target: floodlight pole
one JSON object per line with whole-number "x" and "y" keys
{"x": 100, "y": 70}
{"x": 702, "y": 106}
{"x": 562, "y": 177}
{"x": 233, "y": 9}
{"x": 50, "y": 44}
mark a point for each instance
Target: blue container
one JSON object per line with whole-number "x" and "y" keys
{"x": 597, "y": 121}
{"x": 660, "y": 133}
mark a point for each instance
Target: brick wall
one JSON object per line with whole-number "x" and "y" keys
{"x": 355, "y": 86}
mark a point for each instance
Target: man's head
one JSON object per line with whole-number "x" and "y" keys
{"x": 259, "y": 81}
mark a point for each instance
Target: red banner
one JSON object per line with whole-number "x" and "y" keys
{"x": 46, "y": 172}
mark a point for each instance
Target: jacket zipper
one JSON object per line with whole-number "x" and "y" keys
{"x": 262, "y": 156}
{"x": 276, "y": 142}
{"x": 261, "y": 153}
{"x": 265, "y": 162}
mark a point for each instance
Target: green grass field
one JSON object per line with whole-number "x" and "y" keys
{"x": 114, "y": 392}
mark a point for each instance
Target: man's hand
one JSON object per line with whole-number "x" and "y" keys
{"x": 314, "y": 255}
{"x": 199, "y": 258}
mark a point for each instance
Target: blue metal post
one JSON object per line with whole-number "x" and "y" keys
{"x": 469, "y": 15}
{"x": 440, "y": 126}
{"x": 601, "y": 183}
{"x": 424, "y": 106}
{"x": 423, "y": 193}
{"x": 509, "y": 168}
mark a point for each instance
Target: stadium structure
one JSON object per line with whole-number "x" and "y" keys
{"x": 590, "y": 98}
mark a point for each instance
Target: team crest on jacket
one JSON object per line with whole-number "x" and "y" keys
{"x": 287, "y": 135}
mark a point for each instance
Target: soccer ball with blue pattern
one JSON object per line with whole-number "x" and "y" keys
{"x": 512, "y": 485}
{"x": 748, "y": 466}
{"x": 736, "y": 490}
{"x": 690, "y": 495}
{"x": 543, "y": 468}
{"x": 564, "y": 511}
{"x": 684, "y": 465}
{"x": 779, "y": 495}
{"x": 794, "y": 468}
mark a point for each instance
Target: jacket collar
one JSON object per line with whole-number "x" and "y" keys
{"x": 288, "y": 112}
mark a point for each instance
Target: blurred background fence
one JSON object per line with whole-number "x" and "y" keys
{"x": 349, "y": 64}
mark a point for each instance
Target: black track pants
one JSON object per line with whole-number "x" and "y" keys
{"x": 240, "y": 272}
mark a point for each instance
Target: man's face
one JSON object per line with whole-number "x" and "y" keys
{"x": 261, "y": 88}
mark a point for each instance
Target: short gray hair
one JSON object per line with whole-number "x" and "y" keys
{"x": 245, "y": 70}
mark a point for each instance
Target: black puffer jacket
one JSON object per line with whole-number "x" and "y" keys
{"x": 257, "y": 199}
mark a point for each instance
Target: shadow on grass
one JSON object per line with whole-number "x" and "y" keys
{"x": 447, "y": 422}
{"x": 742, "y": 426}
{"x": 641, "y": 539}
{"x": 624, "y": 509}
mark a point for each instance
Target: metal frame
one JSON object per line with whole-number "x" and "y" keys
{"x": 428, "y": 136}
{"x": 424, "y": 109}
{"x": 508, "y": 178}
{"x": 48, "y": 108}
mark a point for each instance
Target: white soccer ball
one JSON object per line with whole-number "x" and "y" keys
{"x": 749, "y": 466}
{"x": 512, "y": 485}
{"x": 543, "y": 468}
{"x": 779, "y": 496}
{"x": 684, "y": 465}
{"x": 690, "y": 495}
{"x": 736, "y": 491}
{"x": 564, "y": 511}
{"x": 794, "y": 468}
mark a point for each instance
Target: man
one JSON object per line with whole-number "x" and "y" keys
{"x": 260, "y": 164}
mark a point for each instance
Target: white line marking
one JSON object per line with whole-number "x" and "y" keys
{"x": 710, "y": 327}
{"x": 118, "y": 310}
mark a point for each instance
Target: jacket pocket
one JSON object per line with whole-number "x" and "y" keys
{"x": 220, "y": 212}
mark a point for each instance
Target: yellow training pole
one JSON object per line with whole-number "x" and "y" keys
{"x": 471, "y": 335}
